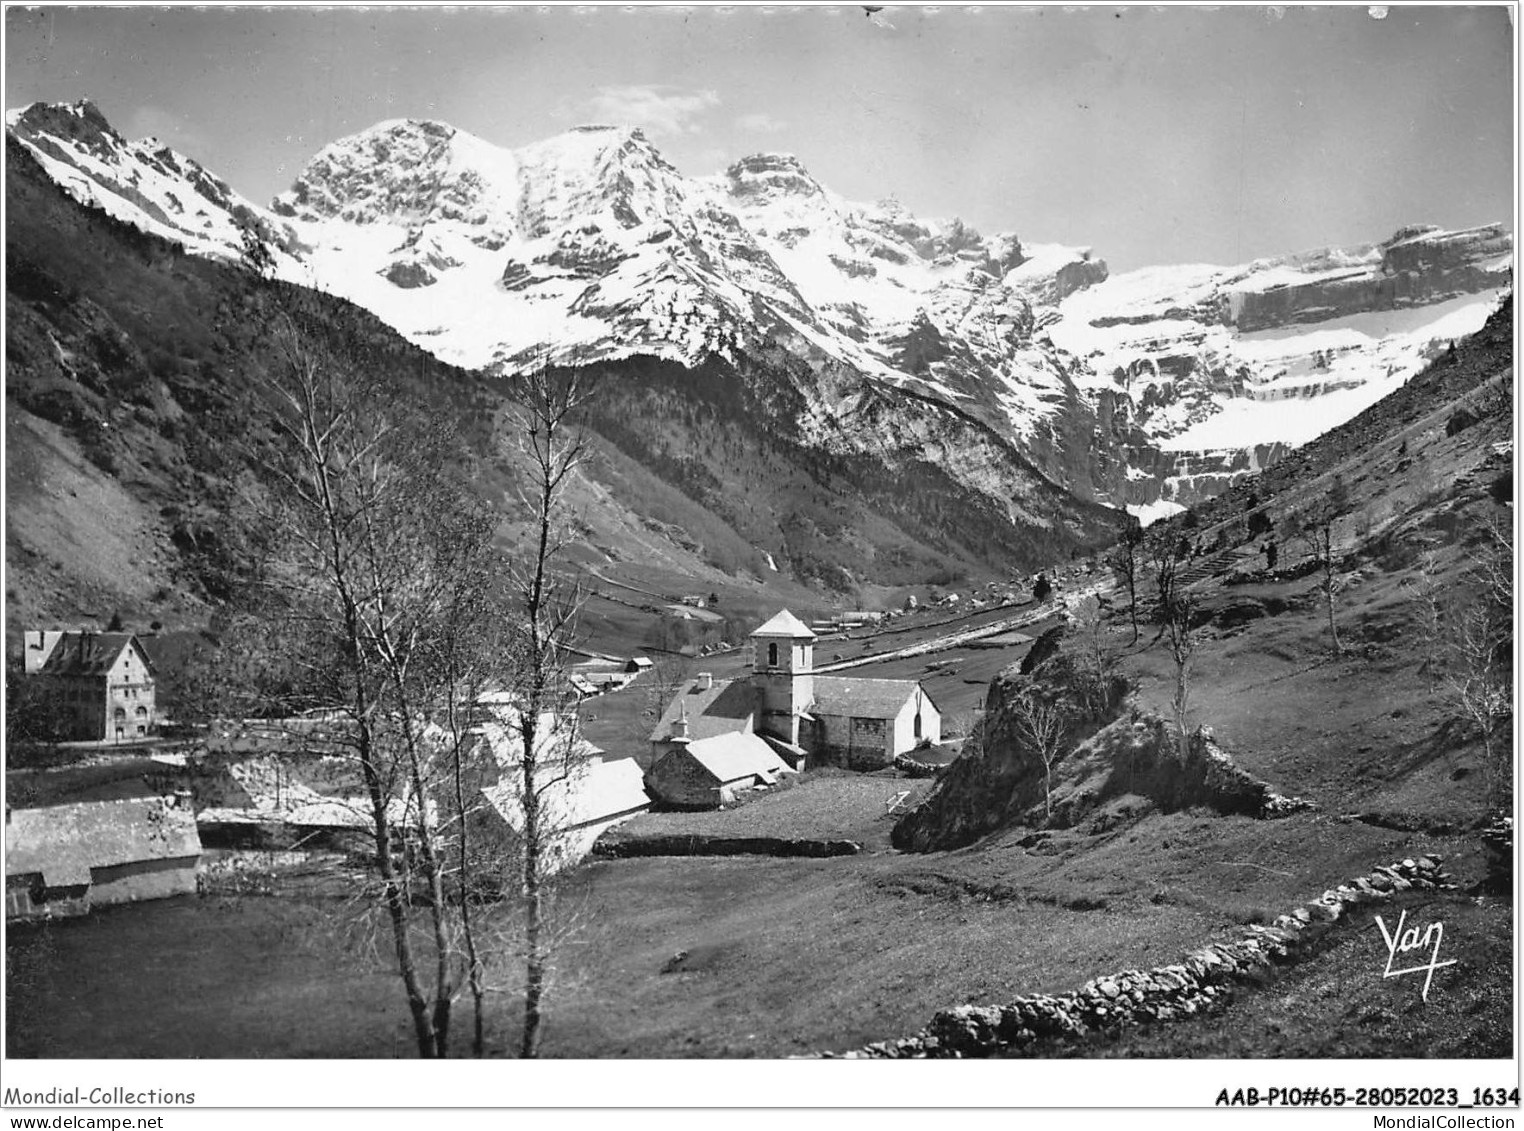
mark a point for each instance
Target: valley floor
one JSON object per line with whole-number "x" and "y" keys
{"x": 753, "y": 956}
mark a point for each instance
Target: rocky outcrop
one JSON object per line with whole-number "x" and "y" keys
{"x": 998, "y": 782}
{"x": 1202, "y": 981}
{"x": 1141, "y": 755}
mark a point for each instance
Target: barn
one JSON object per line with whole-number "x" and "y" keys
{"x": 65, "y": 859}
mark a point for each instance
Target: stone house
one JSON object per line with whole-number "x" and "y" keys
{"x": 713, "y": 772}
{"x": 860, "y": 723}
{"x": 65, "y": 859}
{"x": 98, "y": 685}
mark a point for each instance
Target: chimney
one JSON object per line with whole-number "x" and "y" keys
{"x": 704, "y": 682}
{"x": 37, "y": 646}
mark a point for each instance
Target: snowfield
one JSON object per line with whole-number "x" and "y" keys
{"x": 589, "y": 245}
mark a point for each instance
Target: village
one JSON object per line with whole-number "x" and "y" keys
{"x": 131, "y": 805}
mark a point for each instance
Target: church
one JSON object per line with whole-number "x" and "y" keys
{"x": 802, "y": 717}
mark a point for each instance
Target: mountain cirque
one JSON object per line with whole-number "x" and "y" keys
{"x": 1158, "y": 384}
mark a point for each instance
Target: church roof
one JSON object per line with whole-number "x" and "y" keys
{"x": 727, "y": 706}
{"x": 786, "y": 624}
{"x": 861, "y": 698}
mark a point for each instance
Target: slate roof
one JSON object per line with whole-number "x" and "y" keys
{"x": 738, "y": 755}
{"x": 557, "y": 740}
{"x": 786, "y": 624}
{"x": 861, "y": 698}
{"x": 63, "y": 842}
{"x": 593, "y": 792}
{"x": 723, "y": 709}
{"x": 89, "y": 653}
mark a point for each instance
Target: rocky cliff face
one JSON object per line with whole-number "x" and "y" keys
{"x": 1416, "y": 267}
{"x": 1162, "y": 384}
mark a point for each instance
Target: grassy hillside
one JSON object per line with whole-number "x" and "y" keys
{"x": 133, "y": 419}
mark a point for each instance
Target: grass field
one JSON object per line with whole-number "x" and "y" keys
{"x": 825, "y": 805}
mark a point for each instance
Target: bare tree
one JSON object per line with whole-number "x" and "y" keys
{"x": 547, "y": 405}
{"x": 1123, "y": 560}
{"x": 1176, "y": 612}
{"x": 1314, "y": 528}
{"x": 1088, "y": 624}
{"x": 376, "y": 601}
{"x": 1041, "y": 724}
{"x": 1469, "y": 633}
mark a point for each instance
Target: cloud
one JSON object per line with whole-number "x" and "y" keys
{"x": 655, "y": 108}
{"x": 761, "y": 123}
{"x": 168, "y": 127}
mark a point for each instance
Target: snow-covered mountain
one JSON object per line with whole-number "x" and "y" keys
{"x": 589, "y": 246}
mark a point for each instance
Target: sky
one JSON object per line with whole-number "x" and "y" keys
{"x": 1153, "y": 135}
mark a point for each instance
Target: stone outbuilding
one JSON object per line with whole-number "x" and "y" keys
{"x": 65, "y": 859}
{"x": 714, "y": 772}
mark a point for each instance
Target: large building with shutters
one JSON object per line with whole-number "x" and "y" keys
{"x": 97, "y": 685}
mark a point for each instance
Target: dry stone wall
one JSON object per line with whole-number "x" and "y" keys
{"x": 1203, "y": 980}
{"x": 617, "y": 845}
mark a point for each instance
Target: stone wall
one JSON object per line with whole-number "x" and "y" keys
{"x": 695, "y": 845}
{"x": 912, "y": 767}
{"x": 1201, "y": 981}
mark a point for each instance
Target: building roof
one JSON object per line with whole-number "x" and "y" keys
{"x": 786, "y": 624}
{"x": 592, "y": 792}
{"x": 798, "y": 753}
{"x": 862, "y": 698}
{"x": 737, "y": 755}
{"x": 63, "y": 842}
{"x": 691, "y": 612}
{"x": 557, "y": 738}
{"x": 728, "y": 706}
{"x": 90, "y": 653}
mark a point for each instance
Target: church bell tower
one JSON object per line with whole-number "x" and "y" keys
{"x": 782, "y": 671}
